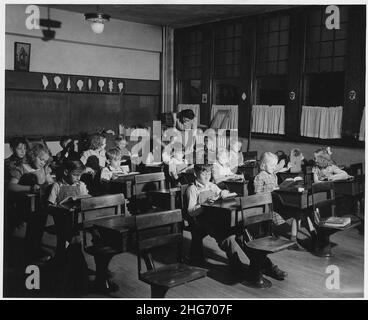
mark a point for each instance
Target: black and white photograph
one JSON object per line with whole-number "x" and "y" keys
{"x": 175, "y": 151}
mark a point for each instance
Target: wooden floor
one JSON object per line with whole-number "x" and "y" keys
{"x": 306, "y": 273}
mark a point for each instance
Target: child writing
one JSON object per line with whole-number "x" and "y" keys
{"x": 201, "y": 191}
{"x": 113, "y": 169}
{"x": 34, "y": 176}
{"x": 221, "y": 170}
{"x": 324, "y": 168}
{"x": 266, "y": 181}
{"x": 68, "y": 185}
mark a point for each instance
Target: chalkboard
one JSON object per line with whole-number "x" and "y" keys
{"x": 51, "y": 114}
{"x": 89, "y": 112}
{"x": 140, "y": 110}
{"x": 36, "y": 113}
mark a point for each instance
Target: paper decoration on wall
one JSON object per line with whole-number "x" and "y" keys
{"x": 45, "y": 82}
{"x": 68, "y": 86}
{"x": 111, "y": 85}
{"x": 89, "y": 84}
{"x": 80, "y": 84}
{"x": 57, "y": 81}
{"x": 101, "y": 84}
{"x": 121, "y": 86}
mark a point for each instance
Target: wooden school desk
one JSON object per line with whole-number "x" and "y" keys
{"x": 240, "y": 187}
{"x": 249, "y": 170}
{"x": 352, "y": 188}
{"x": 125, "y": 184}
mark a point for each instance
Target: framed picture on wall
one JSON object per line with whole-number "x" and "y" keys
{"x": 22, "y": 56}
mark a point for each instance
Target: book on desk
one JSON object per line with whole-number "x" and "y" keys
{"x": 338, "y": 222}
{"x": 73, "y": 202}
{"x": 291, "y": 183}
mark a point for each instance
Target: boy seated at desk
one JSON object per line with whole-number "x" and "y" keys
{"x": 113, "y": 170}
{"x": 202, "y": 191}
{"x": 68, "y": 185}
{"x": 221, "y": 170}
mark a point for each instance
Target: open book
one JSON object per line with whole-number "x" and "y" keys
{"x": 249, "y": 162}
{"x": 337, "y": 222}
{"x": 235, "y": 179}
{"x": 291, "y": 182}
{"x": 230, "y": 195}
{"x": 72, "y": 202}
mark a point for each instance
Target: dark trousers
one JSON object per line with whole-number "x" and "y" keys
{"x": 232, "y": 245}
{"x": 36, "y": 223}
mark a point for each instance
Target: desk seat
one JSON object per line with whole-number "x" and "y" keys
{"x": 173, "y": 275}
{"x": 270, "y": 244}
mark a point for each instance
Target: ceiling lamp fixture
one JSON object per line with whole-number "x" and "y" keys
{"x": 97, "y": 20}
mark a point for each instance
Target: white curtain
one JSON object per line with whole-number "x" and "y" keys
{"x": 268, "y": 119}
{"x": 232, "y": 122}
{"x": 193, "y": 107}
{"x": 362, "y": 127}
{"x": 321, "y": 122}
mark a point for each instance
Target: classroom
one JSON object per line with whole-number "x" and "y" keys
{"x": 197, "y": 151}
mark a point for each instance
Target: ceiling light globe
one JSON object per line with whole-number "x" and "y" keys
{"x": 97, "y": 27}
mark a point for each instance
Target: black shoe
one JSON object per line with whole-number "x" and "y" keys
{"x": 255, "y": 279}
{"x": 275, "y": 272}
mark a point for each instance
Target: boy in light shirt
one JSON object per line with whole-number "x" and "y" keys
{"x": 113, "y": 170}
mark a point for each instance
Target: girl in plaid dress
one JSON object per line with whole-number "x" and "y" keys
{"x": 266, "y": 181}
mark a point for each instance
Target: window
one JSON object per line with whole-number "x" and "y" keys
{"x": 325, "y": 55}
{"x": 192, "y": 55}
{"x": 272, "y": 46}
{"x": 325, "y": 49}
{"x": 272, "y": 58}
{"x": 228, "y": 51}
{"x": 192, "y": 64}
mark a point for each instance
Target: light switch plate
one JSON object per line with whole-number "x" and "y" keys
{"x": 204, "y": 97}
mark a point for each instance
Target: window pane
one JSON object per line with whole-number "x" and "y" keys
{"x": 272, "y": 54}
{"x": 272, "y": 67}
{"x": 339, "y": 64}
{"x": 273, "y": 39}
{"x": 284, "y": 23}
{"x": 314, "y": 34}
{"x": 312, "y": 65}
{"x": 325, "y": 90}
{"x": 325, "y": 65}
{"x": 315, "y": 17}
{"x": 274, "y": 24}
{"x": 282, "y": 67}
{"x": 283, "y": 53}
{"x": 271, "y": 90}
{"x": 344, "y": 14}
{"x": 342, "y": 32}
{"x": 327, "y": 35}
{"x": 326, "y": 49}
{"x": 284, "y": 37}
{"x": 340, "y": 48}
